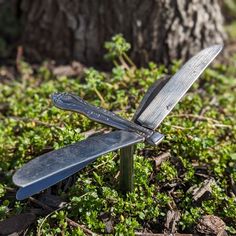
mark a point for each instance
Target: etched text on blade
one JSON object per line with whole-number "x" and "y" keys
{"x": 176, "y": 87}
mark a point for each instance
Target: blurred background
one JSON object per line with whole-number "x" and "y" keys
{"x": 76, "y": 30}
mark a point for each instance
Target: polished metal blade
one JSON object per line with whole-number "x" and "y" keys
{"x": 176, "y": 87}
{"x": 150, "y": 94}
{"x": 50, "y": 168}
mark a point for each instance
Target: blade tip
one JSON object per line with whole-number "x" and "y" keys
{"x": 15, "y": 180}
{"x": 54, "y": 96}
{"x": 18, "y": 196}
{"x": 217, "y": 47}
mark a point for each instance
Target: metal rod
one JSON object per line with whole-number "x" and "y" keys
{"x": 127, "y": 169}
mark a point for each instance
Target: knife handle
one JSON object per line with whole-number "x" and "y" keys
{"x": 72, "y": 102}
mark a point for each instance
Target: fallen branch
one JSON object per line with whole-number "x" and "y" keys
{"x": 152, "y": 234}
{"x": 161, "y": 158}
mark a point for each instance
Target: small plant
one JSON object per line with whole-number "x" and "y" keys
{"x": 117, "y": 49}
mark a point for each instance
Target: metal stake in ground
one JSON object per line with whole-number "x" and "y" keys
{"x": 127, "y": 153}
{"x": 50, "y": 168}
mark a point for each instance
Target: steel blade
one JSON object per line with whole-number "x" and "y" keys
{"x": 50, "y": 168}
{"x": 150, "y": 94}
{"x": 176, "y": 87}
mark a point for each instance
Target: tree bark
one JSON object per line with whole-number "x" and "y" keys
{"x": 157, "y": 30}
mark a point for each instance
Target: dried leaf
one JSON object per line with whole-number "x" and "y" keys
{"x": 16, "y": 224}
{"x": 161, "y": 158}
{"x": 210, "y": 224}
{"x": 203, "y": 191}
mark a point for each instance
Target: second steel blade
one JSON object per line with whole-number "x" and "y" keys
{"x": 176, "y": 87}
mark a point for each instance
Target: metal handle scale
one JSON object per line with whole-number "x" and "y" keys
{"x": 72, "y": 102}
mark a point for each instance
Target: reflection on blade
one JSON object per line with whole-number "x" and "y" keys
{"x": 50, "y": 168}
{"x": 176, "y": 87}
{"x": 150, "y": 94}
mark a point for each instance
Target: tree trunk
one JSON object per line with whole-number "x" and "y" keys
{"x": 157, "y": 30}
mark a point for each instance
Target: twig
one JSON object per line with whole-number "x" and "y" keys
{"x": 148, "y": 234}
{"x": 123, "y": 63}
{"x": 68, "y": 220}
{"x": 181, "y": 127}
{"x": 117, "y": 175}
{"x": 161, "y": 158}
{"x": 195, "y": 117}
{"x": 104, "y": 104}
{"x": 33, "y": 121}
{"x": 218, "y": 125}
{"x": 76, "y": 225}
{"x": 25, "y": 232}
{"x": 44, "y": 206}
{"x": 9, "y": 189}
{"x": 102, "y": 164}
{"x": 152, "y": 234}
{"x": 222, "y": 126}
{"x": 206, "y": 108}
{"x": 41, "y": 224}
{"x": 129, "y": 60}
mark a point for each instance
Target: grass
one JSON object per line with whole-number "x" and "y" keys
{"x": 231, "y": 30}
{"x": 200, "y": 136}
